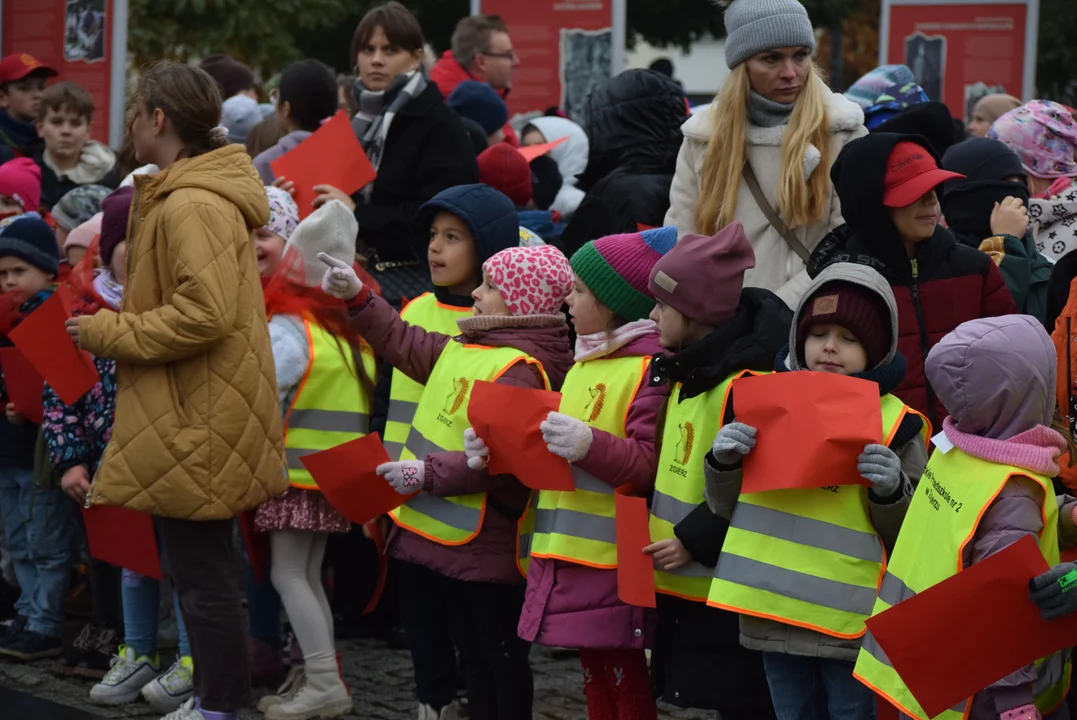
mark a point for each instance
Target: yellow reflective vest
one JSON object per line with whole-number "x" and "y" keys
{"x": 580, "y": 526}
{"x": 690, "y": 428}
{"x": 426, "y": 312}
{"x": 331, "y": 406}
{"x": 810, "y": 558}
{"x": 953, "y": 495}
{"x": 440, "y": 421}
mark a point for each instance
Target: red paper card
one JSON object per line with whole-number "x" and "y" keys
{"x": 821, "y": 421}
{"x": 635, "y": 569}
{"x": 330, "y": 156}
{"x": 43, "y": 340}
{"x": 956, "y": 638}
{"x": 530, "y": 152}
{"x": 124, "y": 538}
{"x": 345, "y": 475}
{"x": 257, "y": 544}
{"x": 508, "y": 419}
{"x": 24, "y": 384}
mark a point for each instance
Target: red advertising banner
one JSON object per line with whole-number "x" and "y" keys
{"x": 74, "y": 37}
{"x": 961, "y": 50}
{"x": 566, "y": 48}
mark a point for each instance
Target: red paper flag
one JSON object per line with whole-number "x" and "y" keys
{"x": 820, "y": 420}
{"x": 530, "y": 152}
{"x": 507, "y": 418}
{"x": 345, "y": 475}
{"x": 24, "y": 384}
{"x": 635, "y": 569}
{"x": 956, "y": 638}
{"x": 123, "y": 538}
{"x": 257, "y": 544}
{"x": 330, "y": 156}
{"x": 43, "y": 340}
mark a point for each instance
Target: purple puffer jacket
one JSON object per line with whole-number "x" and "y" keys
{"x": 575, "y": 606}
{"x": 285, "y": 144}
{"x": 491, "y": 556}
{"x": 1000, "y": 403}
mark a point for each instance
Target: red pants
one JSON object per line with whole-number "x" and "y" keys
{"x": 617, "y": 685}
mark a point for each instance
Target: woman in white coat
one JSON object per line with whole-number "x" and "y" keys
{"x": 774, "y": 117}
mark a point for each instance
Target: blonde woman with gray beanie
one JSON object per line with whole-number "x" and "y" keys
{"x": 775, "y": 121}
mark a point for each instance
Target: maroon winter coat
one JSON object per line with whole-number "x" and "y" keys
{"x": 491, "y": 556}
{"x": 570, "y": 605}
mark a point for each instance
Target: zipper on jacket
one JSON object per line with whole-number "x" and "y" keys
{"x": 923, "y": 342}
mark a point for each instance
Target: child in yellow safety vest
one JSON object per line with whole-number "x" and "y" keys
{"x": 802, "y": 567}
{"x": 462, "y": 522}
{"x": 606, "y": 428}
{"x": 712, "y": 332}
{"x": 988, "y": 485}
{"x": 325, "y": 378}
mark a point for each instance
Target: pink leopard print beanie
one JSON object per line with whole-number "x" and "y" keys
{"x": 532, "y": 280}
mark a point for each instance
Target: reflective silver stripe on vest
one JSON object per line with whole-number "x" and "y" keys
{"x": 444, "y": 510}
{"x": 576, "y": 524}
{"x": 587, "y": 481}
{"x": 329, "y": 421}
{"x": 797, "y": 585}
{"x": 668, "y": 508}
{"x": 806, "y": 531}
{"x": 394, "y": 449}
{"x": 421, "y": 447}
{"x": 292, "y": 455}
{"x": 894, "y": 590}
{"x": 524, "y": 550}
{"x": 402, "y": 411}
{"x": 872, "y": 647}
{"x": 691, "y": 570}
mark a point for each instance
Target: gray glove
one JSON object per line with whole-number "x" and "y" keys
{"x": 880, "y": 466}
{"x": 733, "y": 442}
{"x": 1055, "y": 592}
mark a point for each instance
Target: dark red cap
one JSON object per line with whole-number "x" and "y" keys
{"x": 911, "y": 171}
{"x": 16, "y": 67}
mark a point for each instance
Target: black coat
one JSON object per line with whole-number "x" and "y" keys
{"x": 427, "y": 150}
{"x": 53, "y": 188}
{"x": 634, "y": 125}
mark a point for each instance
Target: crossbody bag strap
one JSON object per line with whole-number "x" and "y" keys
{"x": 772, "y": 217}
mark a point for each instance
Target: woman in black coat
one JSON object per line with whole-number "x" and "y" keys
{"x": 416, "y": 143}
{"x": 634, "y": 124}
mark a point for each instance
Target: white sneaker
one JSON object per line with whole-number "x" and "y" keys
{"x": 297, "y": 678}
{"x": 323, "y": 696}
{"x": 169, "y": 691}
{"x": 125, "y": 678}
{"x": 449, "y": 712}
{"x": 186, "y": 711}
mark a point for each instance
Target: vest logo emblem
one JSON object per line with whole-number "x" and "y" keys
{"x": 683, "y": 451}
{"x": 598, "y": 399}
{"x": 456, "y": 398}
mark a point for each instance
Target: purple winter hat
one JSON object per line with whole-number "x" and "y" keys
{"x": 1044, "y": 136}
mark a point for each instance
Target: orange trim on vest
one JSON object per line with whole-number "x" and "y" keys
{"x": 979, "y": 517}
{"x": 439, "y": 541}
{"x": 574, "y": 561}
{"x": 786, "y": 621}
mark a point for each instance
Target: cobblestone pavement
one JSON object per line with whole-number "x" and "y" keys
{"x": 380, "y": 680}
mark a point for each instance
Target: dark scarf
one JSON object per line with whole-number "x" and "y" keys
{"x": 19, "y": 135}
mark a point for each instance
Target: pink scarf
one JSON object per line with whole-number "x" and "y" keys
{"x": 1035, "y": 450}
{"x": 601, "y": 344}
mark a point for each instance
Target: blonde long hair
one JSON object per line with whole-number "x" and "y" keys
{"x": 800, "y": 203}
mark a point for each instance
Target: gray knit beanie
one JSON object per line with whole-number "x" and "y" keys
{"x": 753, "y": 26}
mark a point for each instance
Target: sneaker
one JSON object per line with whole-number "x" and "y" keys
{"x": 170, "y": 691}
{"x": 190, "y": 711}
{"x": 295, "y": 681}
{"x": 27, "y": 646}
{"x": 125, "y": 679}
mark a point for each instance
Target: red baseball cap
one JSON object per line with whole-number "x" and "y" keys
{"x": 911, "y": 171}
{"x": 19, "y": 65}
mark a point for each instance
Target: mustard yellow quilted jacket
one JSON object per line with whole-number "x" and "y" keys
{"x": 198, "y": 427}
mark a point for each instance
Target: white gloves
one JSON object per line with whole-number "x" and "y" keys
{"x": 733, "y": 442}
{"x": 880, "y": 466}
{"x": 566, "y": 436}
{"x": 475, "y": 449}
{"x": 340, "y": 280}
{"x": 406, "y": 476}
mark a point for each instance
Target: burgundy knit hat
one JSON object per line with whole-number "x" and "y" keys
{"x": 702, "y": 277}
{"x": 531, "y": 280}
{"x": 503, "y": 168}
{"x": 855, "y": 308}
{"x": 114, "y": 213}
